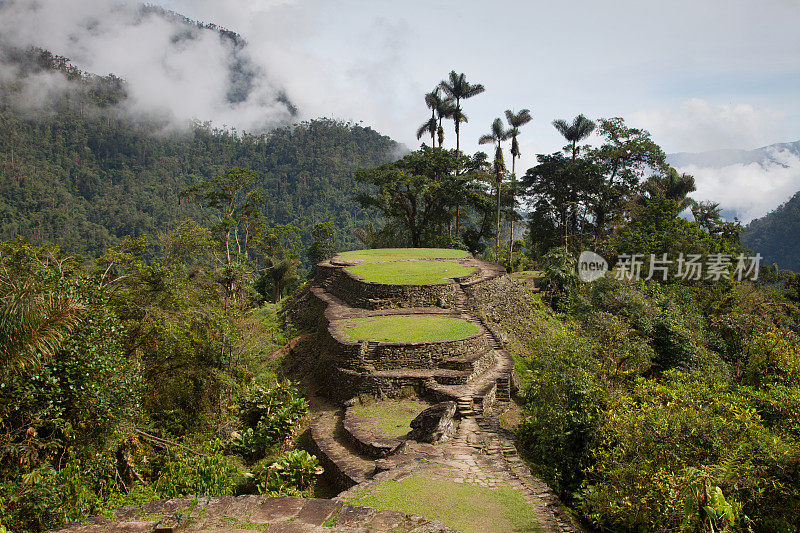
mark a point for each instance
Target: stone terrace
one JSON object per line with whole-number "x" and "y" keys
{"x": 476, "y": 372}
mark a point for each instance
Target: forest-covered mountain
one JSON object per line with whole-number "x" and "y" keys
{"x": 776, "y": 236}
{"x": 81, "y": 174}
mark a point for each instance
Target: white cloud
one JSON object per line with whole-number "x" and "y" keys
{"x": 751, "y": 190}
{"x": 172, "y": 68}
{"x": 697, "y": 126}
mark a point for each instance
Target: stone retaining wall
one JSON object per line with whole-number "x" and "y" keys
{"x": 343, "y": 383}
{"x": 335, "y": 475}
{"x": 424, "y": 354}
{"x": 369, "y": 295}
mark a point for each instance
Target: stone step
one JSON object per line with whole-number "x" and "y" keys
{"x": 470, "y": 361}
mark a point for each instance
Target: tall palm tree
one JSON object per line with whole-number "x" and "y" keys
{"x": 33, "y": 326}
{"x": 445, "y": 109}
{"x": 580, "y": 128}
{"x": 515, "y": 121}
{"x": 458, "y": 88}
{"x": 434, "y": 102}
{"x": 497, "y": 135}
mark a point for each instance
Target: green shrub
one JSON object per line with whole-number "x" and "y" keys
{"x": 560, "y": 417}
{"x": 210, "y": 475}
{"x": 773, "y": 359}
{"x": 269, "y": 417}
{"x": 658, "y": 444}
{"x": 294, "y": 473}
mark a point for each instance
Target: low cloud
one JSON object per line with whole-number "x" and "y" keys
{"x": 174, "y": 69}
{"x": 697, "y": 126}
{"x": 749, "y": 190}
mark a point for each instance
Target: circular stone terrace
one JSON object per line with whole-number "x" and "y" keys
{"x": 406, "y": 328}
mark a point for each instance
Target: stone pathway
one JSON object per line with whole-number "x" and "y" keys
{"x": 246, "y": 514}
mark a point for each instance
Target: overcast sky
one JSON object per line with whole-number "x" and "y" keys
{"x": 699, "y": 75}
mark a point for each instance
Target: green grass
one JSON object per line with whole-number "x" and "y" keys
{"x": 407, "y": 328}
{"x": 524, "y": 275}
{"x": 410, "y": 272}
{"x": 394, "y": 254}
{"x": 467, "y": 508}
{"x": 391, "y": 419}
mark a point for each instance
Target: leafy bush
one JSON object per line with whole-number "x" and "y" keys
{"x": 209, "y": 475}
{"x": 560, "y": 277}
{"x": 561, "y": 414}
{"x": 294, "y": 473}
{"x": 773, "y": 359}
{"x": 269, "y": 417}
{"x": 657, "y": 445}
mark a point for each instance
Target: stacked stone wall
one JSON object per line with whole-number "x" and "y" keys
{"x": 370, "y": 295}
{"x": 425, "y": 354}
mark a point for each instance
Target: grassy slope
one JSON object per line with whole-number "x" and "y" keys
{"x": 408, "y": 328}
{"x": 410, "y": 272}
{"x": 466, "y": 508}
{"x": 394, "y": 254}
{"x": 392, "y": 418}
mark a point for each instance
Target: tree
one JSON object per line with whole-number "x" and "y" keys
{"x": 415, "y": 191}
{"x": 231, "y": 201}
{"x": 280, "y": 255}
{"x": 458, "y": 88}
{"x": 559, "y": 189}
{"x": 624, "y": 159}
{"x": 323, "y": 246}
{"x": 497, "y": 136}
{"x": 580, "y": 128}
{"x": 428, "y": 127}
{"x": 671, "y": 185}
{"x": 441, "y": 108}
{"x": 234, "y": 202}
{"x": 515, "y": 122}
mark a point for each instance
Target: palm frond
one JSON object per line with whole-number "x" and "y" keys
{"x": 33, "y": 328}
{"x": 427, "y": 128}
{"x": 516, "y": 120}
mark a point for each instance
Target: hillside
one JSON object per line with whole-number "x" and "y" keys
{"x": 82, "y": 174}
{"x": 777, "y": 235}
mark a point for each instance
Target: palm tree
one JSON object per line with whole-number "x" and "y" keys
{"x": 515, "y": 121}
{"x": 672, "y": 186}
{"x": 33, "y": 326}
{"x": 580, "y": 128}
{"x": 458, "y": 88}
{"x": 428, "y": 127}
{"x": 497, "y": 135}
{"x": 434, "y": 102}
{"x": 445, "y": 109}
